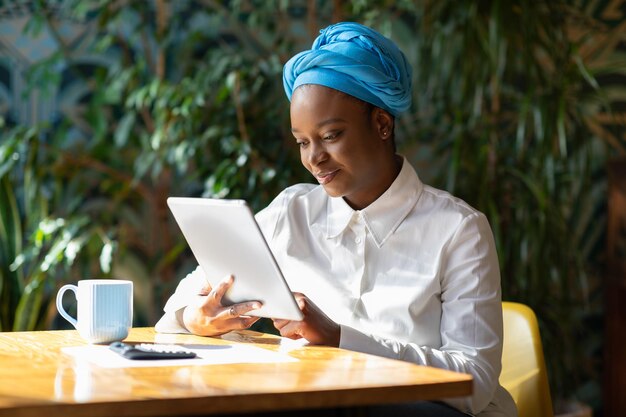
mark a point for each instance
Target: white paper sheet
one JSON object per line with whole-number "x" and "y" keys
{"x": 104, "y": 357}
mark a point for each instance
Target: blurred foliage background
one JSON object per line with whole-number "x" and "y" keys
{"x": 516, "y": 109}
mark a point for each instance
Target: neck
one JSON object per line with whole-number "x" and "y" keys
{"x": 389, "y": 174}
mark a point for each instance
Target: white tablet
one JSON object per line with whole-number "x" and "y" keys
{"x": 226, "y": 239}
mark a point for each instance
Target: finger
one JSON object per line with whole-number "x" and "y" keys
{"x": 218, "y": 292}
{"x": 240, "y": 309}
{"x": 243, "y": 308}
{"x": 244, "y": 323}
{"x": 292, "y": 330}
{"x": 279, "y": 323}
{"x": 300, "y": 299}
{"x": 205, "y": 290}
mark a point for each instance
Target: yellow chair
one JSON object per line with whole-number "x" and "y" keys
{"x": 523, "y": 367}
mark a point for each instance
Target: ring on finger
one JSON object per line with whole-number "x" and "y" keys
{"x": 232, "y": 311}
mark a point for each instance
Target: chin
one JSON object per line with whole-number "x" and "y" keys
{"x": 333, "y": 191}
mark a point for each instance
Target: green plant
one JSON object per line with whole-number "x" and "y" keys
{"x": 176, "y": 111}
{"x": 38, "y": 247}
{"x": 509, "y": 113}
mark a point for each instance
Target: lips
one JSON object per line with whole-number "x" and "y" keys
{"x": 326, "y": 177}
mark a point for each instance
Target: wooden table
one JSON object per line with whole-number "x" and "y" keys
{"x": 37, "y": 379}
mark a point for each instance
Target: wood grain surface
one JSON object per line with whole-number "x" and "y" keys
{"x": 37, "y": 379}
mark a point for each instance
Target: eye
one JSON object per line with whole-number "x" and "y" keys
{"x": 302, "y": 143}
{"x": 331, "y": 136}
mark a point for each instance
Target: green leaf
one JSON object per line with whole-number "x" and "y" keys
{"x": 10, "y": 223}
{"x": 29, "y": 307}
{"x": 106, "y": 257}
{"x": 11, "y": 281}
{"x": 123, "y": 129}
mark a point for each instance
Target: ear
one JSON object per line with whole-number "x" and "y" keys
{"x": 383, "y": 123}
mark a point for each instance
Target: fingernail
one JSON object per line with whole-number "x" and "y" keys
{"x": 256, "y": 306}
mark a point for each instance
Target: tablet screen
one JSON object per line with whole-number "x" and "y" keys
{"x": 226, "y": 239}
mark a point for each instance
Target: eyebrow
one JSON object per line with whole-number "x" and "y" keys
{"x": 324, "y": 122}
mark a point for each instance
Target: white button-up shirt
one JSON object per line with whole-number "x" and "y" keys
{"x": 414, "y": 276}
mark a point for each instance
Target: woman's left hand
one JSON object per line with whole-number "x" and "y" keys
{"x": 315, "y": 326}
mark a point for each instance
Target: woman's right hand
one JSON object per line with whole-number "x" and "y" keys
{"x": 206, "y": 316}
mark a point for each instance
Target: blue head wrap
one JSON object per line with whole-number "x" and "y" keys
{"x": 356, "y": 60}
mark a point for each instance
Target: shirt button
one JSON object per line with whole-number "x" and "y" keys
{"x": 357, "y": 240}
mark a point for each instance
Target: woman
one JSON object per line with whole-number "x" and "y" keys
{"x": 380, "y": 262}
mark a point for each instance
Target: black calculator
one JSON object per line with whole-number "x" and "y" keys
{"x": 151, "y": 351}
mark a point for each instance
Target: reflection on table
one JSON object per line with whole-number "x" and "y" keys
{"x": 38, "y": 379}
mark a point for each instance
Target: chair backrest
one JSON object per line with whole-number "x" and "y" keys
{"x": 523, "y": 367}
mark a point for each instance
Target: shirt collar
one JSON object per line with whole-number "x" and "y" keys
{"x": 384, "y": 215}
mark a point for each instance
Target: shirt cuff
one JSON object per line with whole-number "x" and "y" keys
{"x": 171, "y": 322}
{"x": 352, "y": 339}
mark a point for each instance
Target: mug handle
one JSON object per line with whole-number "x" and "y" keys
{"x": 62, "y": 311}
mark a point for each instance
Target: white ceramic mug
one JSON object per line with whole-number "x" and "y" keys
{"x": 105, "y": 309}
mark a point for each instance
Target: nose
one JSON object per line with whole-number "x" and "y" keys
{"x": 317, "y": 153}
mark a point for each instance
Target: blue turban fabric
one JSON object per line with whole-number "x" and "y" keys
{"x": 356, "y": 60}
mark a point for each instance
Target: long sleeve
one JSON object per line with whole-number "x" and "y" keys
{"x": 471, "y": 322}
{"x": 414, "y": 276}
{"x": 186, "y": 291}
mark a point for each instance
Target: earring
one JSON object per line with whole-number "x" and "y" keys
{"x": 385, "y": 133}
